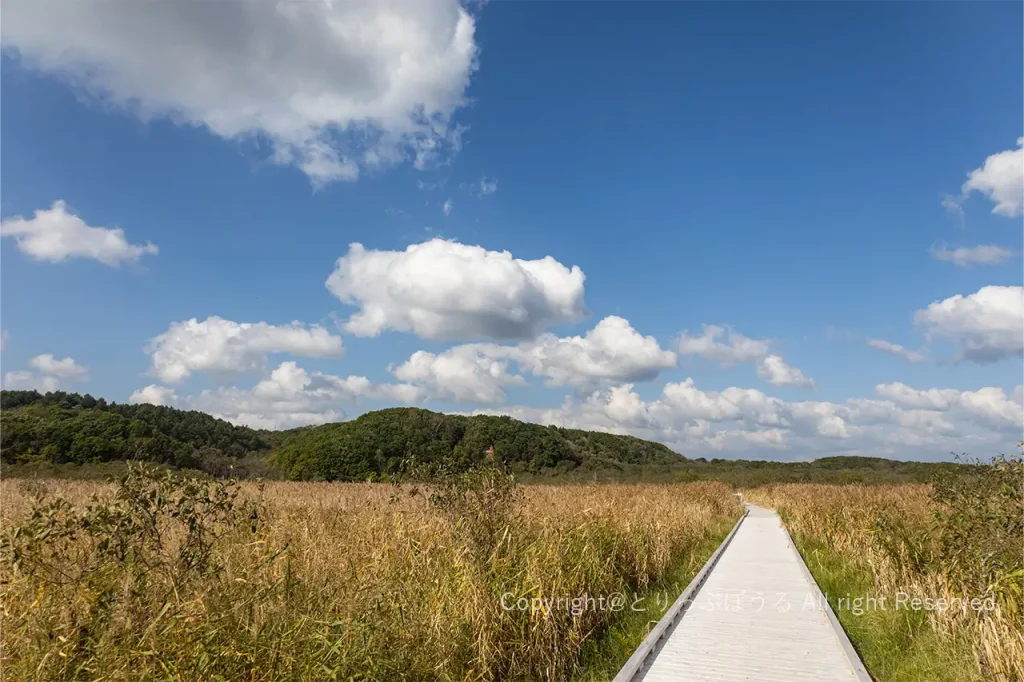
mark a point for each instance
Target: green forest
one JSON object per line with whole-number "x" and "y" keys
{"x": 69, "y": 434}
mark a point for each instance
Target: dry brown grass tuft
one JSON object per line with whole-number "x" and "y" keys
{"x": 342, "y": 581}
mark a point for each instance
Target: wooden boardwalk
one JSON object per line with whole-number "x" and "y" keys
{"x": 753, "y": 613}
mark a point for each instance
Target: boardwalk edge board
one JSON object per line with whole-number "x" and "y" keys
{"x": 844, "y": 642}
{"x": 650, "y": 644}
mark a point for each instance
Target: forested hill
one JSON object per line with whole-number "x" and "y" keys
{"x": 383, "y": 441}
{"x": 63, "y": 427}
{"x": 44, "y": 432}
{"x": 70, "y": 428}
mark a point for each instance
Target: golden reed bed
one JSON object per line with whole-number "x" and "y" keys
{"x": 329, "y": 581}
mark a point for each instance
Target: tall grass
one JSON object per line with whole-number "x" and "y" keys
{"x": 164, "y": 578}
{"x": 962, "y": 537}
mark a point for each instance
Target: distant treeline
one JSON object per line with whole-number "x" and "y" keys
{"x": 63, "y": 432}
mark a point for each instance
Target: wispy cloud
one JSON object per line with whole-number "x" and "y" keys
{"x": 431, "y": 186}
{"x": 966, "y": 256}
{"x": 897, "y": 349}
{"x": 487, "y": 187}
{"x": 954, "y": 206}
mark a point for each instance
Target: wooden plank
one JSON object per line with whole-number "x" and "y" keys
{"x": 757, "y": 614}
{"x": 654, "y": 637}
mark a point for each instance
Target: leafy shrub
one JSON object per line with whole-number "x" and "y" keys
{"x": 980, "y": 525}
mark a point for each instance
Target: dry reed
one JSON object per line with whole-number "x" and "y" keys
{"x": 344, "y": 581}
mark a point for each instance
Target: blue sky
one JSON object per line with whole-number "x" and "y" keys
{"x": 808, "y": 177}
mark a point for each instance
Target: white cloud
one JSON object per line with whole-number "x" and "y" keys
{"x": 989, "y": 405}
{"x": 746, "y": 422}
{"x": 625, "y": 407}
{"x": 290, "y": 396}
{"x": 820, "y": 419}
{"x": 731, "y": 439}
{"x": 728, "y": 348}
{"x": 985, "y": 326}
{"x": 50, "y": 374}
{"x": 684, "y": 400}
{"x": 55, "y": 235}
{"x": 220, "y": 346}
{"x": 431, "y": 186}
{"x": 447, "y": 290}
{"x": 4, "y": 337}
{"x": 897, "y": 349}
{"x": 154, "y": 395}
{"x": 448, "y": 206}
{"x": 486, "y": 187}
{"x": 334, "y": 86}
{"x": 907, "y": 397}
{"x": 733, "y": 349}
{"x": 462, "y": 373}
{"x": 965, "y": 257}
{"x": 954, "y": 206}
{"x": 1001, "y": 179}
{"x": 22, "y": 380}
{"x": 612, "y": 351}
{"x": 62, "y": 369}
{"x": 773, "y": 368}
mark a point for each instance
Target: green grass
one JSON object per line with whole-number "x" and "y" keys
{"x": 895, "y": 645}
{"x": 603, "y": 656}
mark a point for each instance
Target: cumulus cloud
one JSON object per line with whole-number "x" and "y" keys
{"x": 290, "y": 396}
{"x": 154, "y": 395}
{"x": 62, "y": 369}
{"x": 1001, "y": 179}
{"x": 610, "y": 352}
{"x": 446, "y": 290}
{"x": 624, "y": 407}
{"x": 729, "y": 348}
{"x": 965, "y": 257}
{"x": 55, "y": 235}
{"x": 334, "y": 86}
{"x": 990, "y": 405}
{"x": 985, "y": 326}
{"x": 747, "y": 422}
{"x": 23, "y": 380}
{"x": 683, "y": 400}
{"x": 467, "y": 373}
{"x": 907, "y": 397}
{"x": 220, "y": 346}
{"x": 897, "y": 349}
{"x": 723, "y": 345}
{"x": 47, "y": 374}
{"x": 773, "y": 369}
